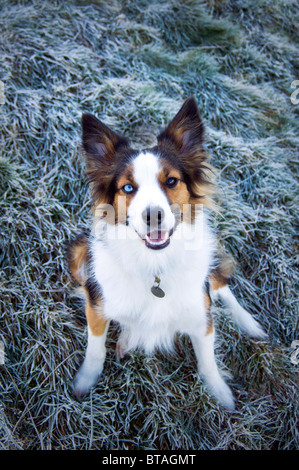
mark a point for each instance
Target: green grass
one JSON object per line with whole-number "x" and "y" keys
{"x": 132, "y": 63}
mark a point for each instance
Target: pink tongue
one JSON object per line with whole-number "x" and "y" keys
{"x": 156, "y": 236}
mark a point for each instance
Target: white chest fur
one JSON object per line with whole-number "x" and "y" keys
{"x": 126, "y": 271}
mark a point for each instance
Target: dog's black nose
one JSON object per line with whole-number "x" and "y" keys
{"x": 153, "y": 216}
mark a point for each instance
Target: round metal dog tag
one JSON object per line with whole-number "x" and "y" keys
{"x": 157, "y": 291}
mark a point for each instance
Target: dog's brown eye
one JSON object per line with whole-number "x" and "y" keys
{"x": 171, "y": 182}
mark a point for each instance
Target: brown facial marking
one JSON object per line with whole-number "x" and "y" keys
{"x": 127, "y": 176}
{"x": 116, "y": 211}
{"x": 121, "y": 204}
{"x": 179, "y": 193}
{"x": 121, "y": 199}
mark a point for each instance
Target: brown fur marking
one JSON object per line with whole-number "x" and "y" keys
{"x": 220, "y": 276}
{"x": 96, "y": 321}
{"x": 179, "y": 194}
{"x": 127, "y": 177}
{"x": 217, "y": 281}
{"x": 210, "y": 328}
{"x": 210, "y": 323}
{"x": 77, "y": 255}
{"x": 120, "y": 197}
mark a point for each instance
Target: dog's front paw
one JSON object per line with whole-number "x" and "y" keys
{"x": 84, "y": 380}
{"x": 224, "y": 395}
{"x": 220, "y": 390}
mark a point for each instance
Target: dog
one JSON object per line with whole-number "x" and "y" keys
{"x": 151, "y": 261}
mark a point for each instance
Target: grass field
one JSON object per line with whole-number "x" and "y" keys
{"x": 132, "y": 63}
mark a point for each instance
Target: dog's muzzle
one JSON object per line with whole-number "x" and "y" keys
{"x": 157, "y": 235}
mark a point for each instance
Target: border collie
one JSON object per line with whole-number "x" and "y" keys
{"x": 151, "y": 261}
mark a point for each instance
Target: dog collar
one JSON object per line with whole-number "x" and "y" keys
{"x": 156, "y": 289}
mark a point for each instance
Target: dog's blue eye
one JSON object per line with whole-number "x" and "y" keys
{"x": 127, "y": 188}
{"x": 171, "y": 182}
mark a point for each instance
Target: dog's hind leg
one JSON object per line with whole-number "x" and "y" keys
{"x": 220, "y": 290}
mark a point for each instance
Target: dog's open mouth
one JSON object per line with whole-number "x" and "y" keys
{"x": 158, "y": 239}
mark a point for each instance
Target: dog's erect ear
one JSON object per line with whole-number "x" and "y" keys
{"x": 184, "y": 135}
{"x": 99, "y": 142}
{"x": 186, "y": 129}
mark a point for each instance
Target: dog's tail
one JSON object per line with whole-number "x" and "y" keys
{"x": 219, "y": 284}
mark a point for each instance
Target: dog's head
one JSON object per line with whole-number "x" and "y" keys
{"x": 149, "y": 189}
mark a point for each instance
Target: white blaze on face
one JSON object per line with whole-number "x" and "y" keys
{"x": 146, "y": 168}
